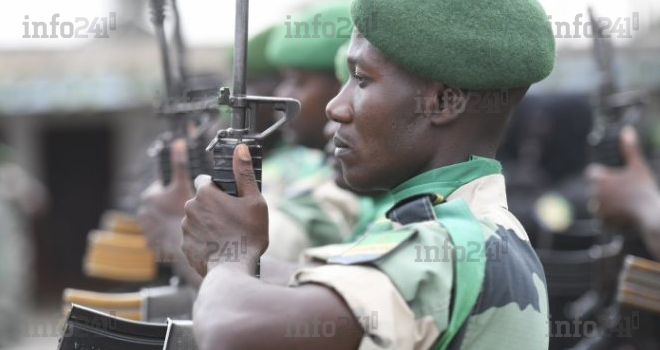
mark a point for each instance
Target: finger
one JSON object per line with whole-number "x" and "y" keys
{"x": 202, "y": 180}
{"x": 179, "y": 161}
{"x": 246, "y": 181}
{"x": 630, "y": 146}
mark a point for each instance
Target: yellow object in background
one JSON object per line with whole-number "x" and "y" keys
{"x": 554, "y": 212}
{"x": 124, "y": 305}
{"x": 120, "y": 251}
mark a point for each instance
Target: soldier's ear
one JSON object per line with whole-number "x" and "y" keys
{"x": 448, "y": 105}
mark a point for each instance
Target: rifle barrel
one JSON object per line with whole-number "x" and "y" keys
{"x": 158, "y": 18}
{"x": 240, "y": 62}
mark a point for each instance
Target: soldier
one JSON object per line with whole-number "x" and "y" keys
{"x": 384, "y": 292}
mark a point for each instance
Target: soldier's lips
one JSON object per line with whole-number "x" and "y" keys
{"x": 342, "y": 147}
{"x": 341, "y": 151}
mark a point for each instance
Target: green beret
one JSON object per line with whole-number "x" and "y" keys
{"x": 341, "y": 65}
{"x": 476, "y": 44}
{"x": 310, "y": 39}
{"x": 257, "y": 63}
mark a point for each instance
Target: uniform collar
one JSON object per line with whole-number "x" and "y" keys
{"x": 445, "y": 180}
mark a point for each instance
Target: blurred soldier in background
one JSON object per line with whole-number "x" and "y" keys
{"x": 307, "y": 64}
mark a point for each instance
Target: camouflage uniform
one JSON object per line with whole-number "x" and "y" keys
{"x": 490, "y": 295}
{"x": 286, "y": 165}
{"x": 319, "y": 213}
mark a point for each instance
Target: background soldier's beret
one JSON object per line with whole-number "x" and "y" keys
{"x": 341, "y": 65}
{"x": 475, "y": 44}
{"x": 307, "y": 45}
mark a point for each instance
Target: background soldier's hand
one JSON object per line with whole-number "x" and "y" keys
{"x": 216, "y": 224}
{"x": 626, "y": 196}
{"x": 161, "y": 209}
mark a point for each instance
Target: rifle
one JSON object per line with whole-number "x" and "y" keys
{"x": 244, "y": 108}
{"x": 177, "y": 91}
{"x": 244, "y": 113}
{"x": 87, "y": 328}
{"x": 613, "y": 109}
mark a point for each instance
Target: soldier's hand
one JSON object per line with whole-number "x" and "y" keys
{"x": 629, "y": 195}
{"x": 161, "y": 208}
{"x": 219, "y": 228}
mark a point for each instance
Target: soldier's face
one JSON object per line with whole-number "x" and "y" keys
{"x": 313, "y": 90}
{"x": 380, "y": 140}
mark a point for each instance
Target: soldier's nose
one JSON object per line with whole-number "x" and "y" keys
{"x": 338, "y": 110}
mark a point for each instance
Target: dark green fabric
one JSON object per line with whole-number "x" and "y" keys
{"x": 371, "y": 209}
{"x": 309, "y": 46}
{"x": 478, "y": 44}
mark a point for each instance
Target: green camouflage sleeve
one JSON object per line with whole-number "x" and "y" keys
{"x": 405, "y": 277}
{"x": 409, "y": 298}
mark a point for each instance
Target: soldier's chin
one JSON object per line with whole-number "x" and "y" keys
{"x": 341, "y": 182}
{"x": 338, "y": 173}
{"x": 355, "y": 184}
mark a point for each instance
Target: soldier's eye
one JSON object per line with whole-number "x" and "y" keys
{"x": 362, "y": 80}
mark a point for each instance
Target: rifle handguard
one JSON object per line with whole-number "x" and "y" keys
{"x": 198, "y": 161}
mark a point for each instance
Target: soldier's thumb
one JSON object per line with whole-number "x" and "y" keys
{"x": 246, "y": 181}
{"x": 630, "y": 147}
{"x": 179, "y": 161}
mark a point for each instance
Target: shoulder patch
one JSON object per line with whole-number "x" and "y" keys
{"x": 373, "y": 246}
